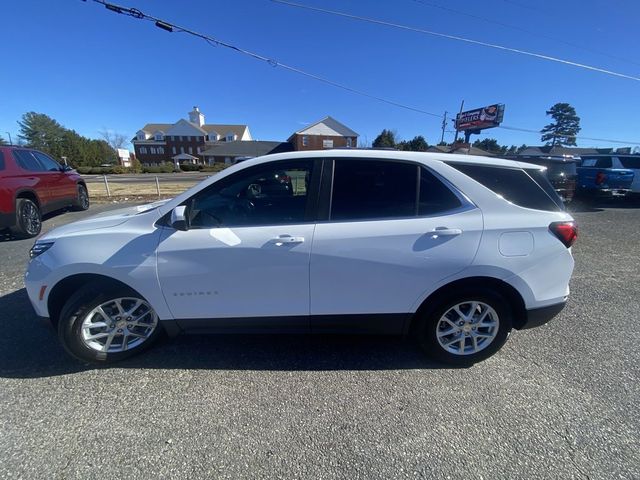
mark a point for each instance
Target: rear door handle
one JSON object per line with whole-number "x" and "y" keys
{"x": 286, "y": 240}
{"x": 445, "y": 232}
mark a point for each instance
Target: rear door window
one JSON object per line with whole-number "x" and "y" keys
{"x": 1, "y": 161}
{"x": 514, "y": 185}
{"x": 382, "y": 189}
{"x": 367, "y": 189}
{"x": 26, "y": 160}
{"x": 435, "y": 196}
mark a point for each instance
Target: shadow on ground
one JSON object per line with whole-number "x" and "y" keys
{"x": 29, "y": 348}
{"x": 7, "y": 236}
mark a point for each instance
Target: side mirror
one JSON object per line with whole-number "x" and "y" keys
{"x": 179, "y": 218}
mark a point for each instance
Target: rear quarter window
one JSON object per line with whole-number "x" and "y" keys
{"x": 598, "y": 162}
{"x": 1, "y": 161}
{"x": 515, "y": 185}
{"x": 630, "y": 162}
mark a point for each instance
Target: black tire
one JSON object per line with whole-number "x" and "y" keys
{"x": 28, "y": 219}
{"x": 428, "y": 324}
{"x": 82, "y": 200}
{"x": 76, "y": 309}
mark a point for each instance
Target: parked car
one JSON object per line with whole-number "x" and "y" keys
{"x": 453, "y": 250}
{"x": 561, "y": 172}
{"x": 33, "y": 184}
{"x": 603, "y": 176}
{"x": 621, "y": 161}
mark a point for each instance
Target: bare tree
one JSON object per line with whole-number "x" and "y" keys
{"x": 114, "y": 139}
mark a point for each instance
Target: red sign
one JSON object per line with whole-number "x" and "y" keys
{"x": 480, "y": 118}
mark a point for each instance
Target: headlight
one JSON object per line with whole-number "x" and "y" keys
{"x": 39, "y": 248}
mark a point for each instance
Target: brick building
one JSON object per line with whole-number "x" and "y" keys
{"x": 327, "y": 133}
{"x": 184, "y": 141}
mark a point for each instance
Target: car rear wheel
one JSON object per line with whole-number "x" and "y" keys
{"x": 466, "y": 328}
{"x": 28, "y": 219}
{"x": 82, "y": 201}
{"x": 104, "y": 325}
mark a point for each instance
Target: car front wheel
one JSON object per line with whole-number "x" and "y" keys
{"x": 104, "y": 325}
{"x": 466, "y": 328}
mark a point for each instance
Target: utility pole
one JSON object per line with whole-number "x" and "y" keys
{"x": 455, "y": 139}
{"x": 444, "y": 125}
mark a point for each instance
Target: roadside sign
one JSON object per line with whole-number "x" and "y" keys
{"x": 480, "y": 118}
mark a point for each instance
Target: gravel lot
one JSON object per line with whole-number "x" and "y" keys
{"x": 559, "y": 401}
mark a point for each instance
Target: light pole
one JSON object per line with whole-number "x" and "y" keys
{"x": 10, "y": 142}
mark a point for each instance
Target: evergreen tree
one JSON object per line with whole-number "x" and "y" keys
{"x": 490, "y": 145}
{"x": 564, "y": 128}
{"x": 386, "y": 139}
{"x": 41, "y": 132}
{"x": 417, "y": 144}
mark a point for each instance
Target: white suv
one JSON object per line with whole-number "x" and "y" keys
{"x": 452, "y": 250}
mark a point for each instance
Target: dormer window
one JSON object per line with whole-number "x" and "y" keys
{"x": 230, "y": 137}
{"x": 141, "y": 135}
{"x": 158, "y": 137}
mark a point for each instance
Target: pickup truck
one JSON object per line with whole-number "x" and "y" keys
{"x": 603, "y": 176}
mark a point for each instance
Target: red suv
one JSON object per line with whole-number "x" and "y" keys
{"x": 33, "y": 184}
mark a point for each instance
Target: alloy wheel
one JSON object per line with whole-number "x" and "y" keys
{"x": 30, "y": 218}
{"x": 118, "y": 325}
{"x": 467, "y": 328}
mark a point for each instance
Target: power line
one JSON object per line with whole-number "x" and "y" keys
{"x": 622, "y": 142}
{"x": 170, "y": 27}
{"x": 460, "y": 39}
{"x": 524, "y": 30}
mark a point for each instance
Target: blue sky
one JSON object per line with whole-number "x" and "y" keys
{"x": 92, "y": 69}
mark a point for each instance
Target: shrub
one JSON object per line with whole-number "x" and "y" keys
{"x": 187, "y": 167}
{"x": 216, "y": 167}
{"x": 163, "y": 168}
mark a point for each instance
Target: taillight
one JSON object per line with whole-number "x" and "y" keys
{"x": 601, "y": 177}
{"x": 567, "y": 232}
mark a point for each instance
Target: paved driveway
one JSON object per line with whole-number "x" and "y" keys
{"x": 559, "y": 401}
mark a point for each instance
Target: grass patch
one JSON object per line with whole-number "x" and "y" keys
{"x": 136, "y": 191}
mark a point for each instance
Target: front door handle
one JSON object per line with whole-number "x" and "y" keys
{"x": 286, "y": 240}
{"x": 445, "y": 232}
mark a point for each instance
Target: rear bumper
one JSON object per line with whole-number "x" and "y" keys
{"x": 539, "y": 316}
{"x": 7, "y": 220}
{"x": 605, "y": 192}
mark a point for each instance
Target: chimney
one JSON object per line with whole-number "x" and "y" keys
{"x": 196, "y": 116}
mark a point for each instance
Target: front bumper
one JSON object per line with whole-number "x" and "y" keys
{"x": 539, "y": 316}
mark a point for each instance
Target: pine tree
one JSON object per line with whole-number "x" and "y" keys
{"x": 565, "y": 127}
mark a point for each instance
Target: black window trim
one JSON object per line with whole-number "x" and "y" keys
{"x": 326, "y": 193}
